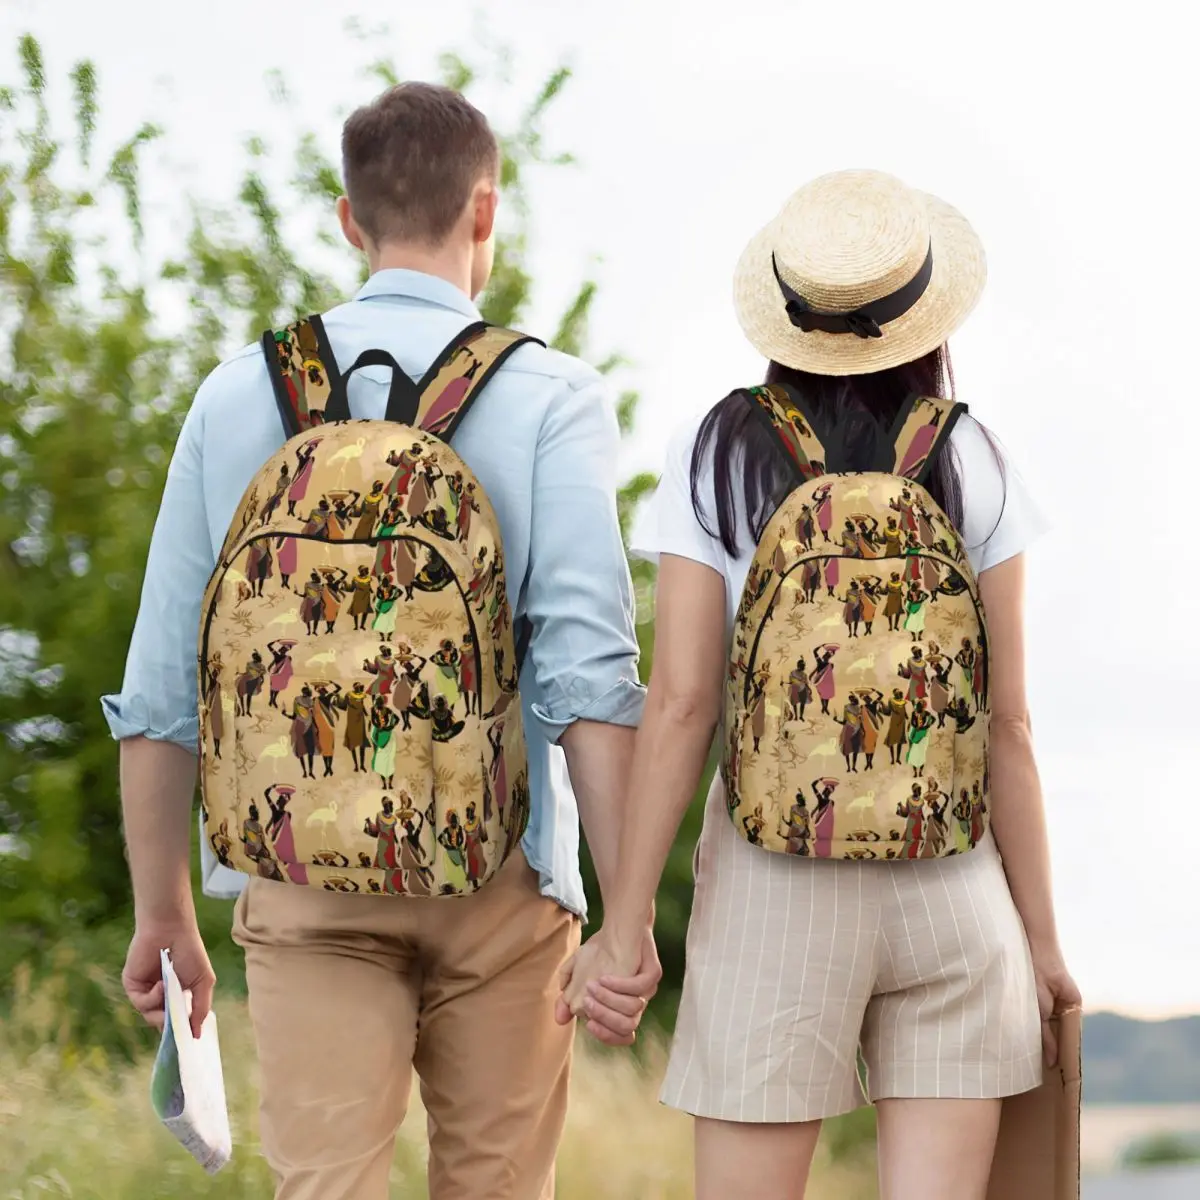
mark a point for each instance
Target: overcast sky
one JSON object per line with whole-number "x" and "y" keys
{"x": 1068, "y": 139}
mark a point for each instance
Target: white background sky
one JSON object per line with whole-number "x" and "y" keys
{"x": 1068, "y": 138}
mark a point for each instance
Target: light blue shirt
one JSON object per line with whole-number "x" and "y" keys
{"x": 543, "y": 441}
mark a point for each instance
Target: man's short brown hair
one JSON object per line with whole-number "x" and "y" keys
{"x": 410, "y": 159}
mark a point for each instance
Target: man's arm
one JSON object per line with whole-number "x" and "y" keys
{"x": 158, "y": 780}
{"x": 579, "y": 599}
{"x": 155, "y": 718}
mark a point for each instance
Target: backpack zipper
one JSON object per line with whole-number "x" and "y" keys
{"x": 936, "y": 556}
{"x": 222, "y": 568}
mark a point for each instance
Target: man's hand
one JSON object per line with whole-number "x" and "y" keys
{"x": 142, "y": 977}
{"x": 609, "y": 989}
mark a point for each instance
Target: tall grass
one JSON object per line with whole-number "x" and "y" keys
{"x": 75, "y": 1123}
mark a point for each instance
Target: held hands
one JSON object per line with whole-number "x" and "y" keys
{"x": 142, "y": 977}
{"x": 609, "y": 988}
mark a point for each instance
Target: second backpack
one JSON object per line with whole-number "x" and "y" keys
{"x": 856, "y": 711}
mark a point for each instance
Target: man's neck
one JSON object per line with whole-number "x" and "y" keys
{"x": 451, "y": 263}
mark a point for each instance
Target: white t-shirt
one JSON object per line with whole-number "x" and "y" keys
{"x": 1000, "y": 518}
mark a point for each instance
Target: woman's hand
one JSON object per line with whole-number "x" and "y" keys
{"x": 1056, "y": 992}
{"x": 609, "y": 987}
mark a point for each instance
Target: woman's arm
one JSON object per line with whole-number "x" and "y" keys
{"x": 682, "y": 708}
{"x": 1018, "y": 817}
{"x": 1018, "y": 814}
{"x": 683, "y": 705}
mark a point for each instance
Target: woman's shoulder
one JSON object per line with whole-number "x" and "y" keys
{"x": 668, "y": 522}
{"x": 1000, "y": 516}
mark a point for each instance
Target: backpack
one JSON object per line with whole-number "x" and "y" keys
{"x": 856, "y": 710}
{"x": 360, "y": 721}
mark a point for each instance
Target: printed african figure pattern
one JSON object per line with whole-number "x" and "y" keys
{"x": 856, "y": 714}
{"x": 792, "y": 429}
{"x": 302, "y": 369}
{"x": 360, "y": 722}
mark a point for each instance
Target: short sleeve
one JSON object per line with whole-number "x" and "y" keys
{"x": 667, "y": 522}
{"x": 1000, "y": 516}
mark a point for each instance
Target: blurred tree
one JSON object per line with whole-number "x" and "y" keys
{"x": 93, "y": 385}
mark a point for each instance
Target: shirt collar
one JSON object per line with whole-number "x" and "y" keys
{"x": 416, "y": 285}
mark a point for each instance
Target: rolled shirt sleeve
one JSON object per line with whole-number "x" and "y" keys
{"x": 579, "y": 595}
{"x": 158, "y": 697}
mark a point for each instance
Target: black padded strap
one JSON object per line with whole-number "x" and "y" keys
{"x": 403, "y": 396}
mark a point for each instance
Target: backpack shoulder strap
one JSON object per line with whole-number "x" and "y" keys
{"x": 921, "y": 430}
{"x": 460, "y": 373}
{"x": 304, "y": 375}
{"x": 310, "y": 390}
{"x": 783, "y": 413}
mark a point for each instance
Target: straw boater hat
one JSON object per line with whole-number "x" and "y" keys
{"x": 858, "y": 273}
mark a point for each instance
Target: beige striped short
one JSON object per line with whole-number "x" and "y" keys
{"x": 795, "y": 965}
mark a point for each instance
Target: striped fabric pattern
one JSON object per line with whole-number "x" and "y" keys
{"x": 794, "y": 965}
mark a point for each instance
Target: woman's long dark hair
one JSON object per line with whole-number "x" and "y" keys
{"x": 853, "y": 416}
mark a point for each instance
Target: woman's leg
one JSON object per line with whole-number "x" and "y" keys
{"x": 768, "y": 1162}
{"x": 954, "y": 1025}
{"x": 936, "y": 1149}
{"x": 780, "y": 969}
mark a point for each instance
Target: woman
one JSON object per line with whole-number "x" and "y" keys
{"x": 280, "y": 670}
{"x": 367, "y": 512}
{"x": 386, "y": 597}
{"x": 304, "y": 470}
{"x": 871, "y": 587}
{"x": 939, "y": 688}
{"x": 383, "y": 742}
{"x": 795, "y": 966}
{"x": 361, "y": 598}
{"x": 914, "y": 606}
{"x": 823, "y": 675}
{"x": 799, "y": 691}
{"x": 303, "y": 731}
{"x": 453, "y": 841}
{"x": 325, "y": 716}
{"x": 214, "y": 702}
{"x": 852, "y": 608}
{"x": 806, "y": 528}
{"x": 850, "y": 743}
{"x": 287, "y": 554}
{"x": 279, "y": 830}
{"x": 310, "y": 604}
{"x": 918, "y": 738}
{"x": 872, "y": 718}
{"x": 332, "y": 593}
{"x": 356, "y": 739}
{"x": 448, "y": 681}
{"x": 893, "y": 607}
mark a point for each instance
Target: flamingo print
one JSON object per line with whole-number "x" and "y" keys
{"x": 324, "y": 817}
{"x": 345, "y": 456}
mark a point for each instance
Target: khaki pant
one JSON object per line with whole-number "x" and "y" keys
{"x": 349, "y": 993}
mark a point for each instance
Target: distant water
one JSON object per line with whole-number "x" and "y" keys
{"x": 1166, "y": 1183}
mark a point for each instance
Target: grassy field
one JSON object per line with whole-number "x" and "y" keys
{"x": 74, "y": 1125}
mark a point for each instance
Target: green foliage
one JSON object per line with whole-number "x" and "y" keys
{"x": 1162, "y": 1149}
{"x": 93, "y": 385}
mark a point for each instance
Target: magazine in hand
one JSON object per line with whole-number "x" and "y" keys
{"x": 187, "y": 1088}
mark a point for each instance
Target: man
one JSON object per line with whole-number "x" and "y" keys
{"x": 348, "y": 993}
